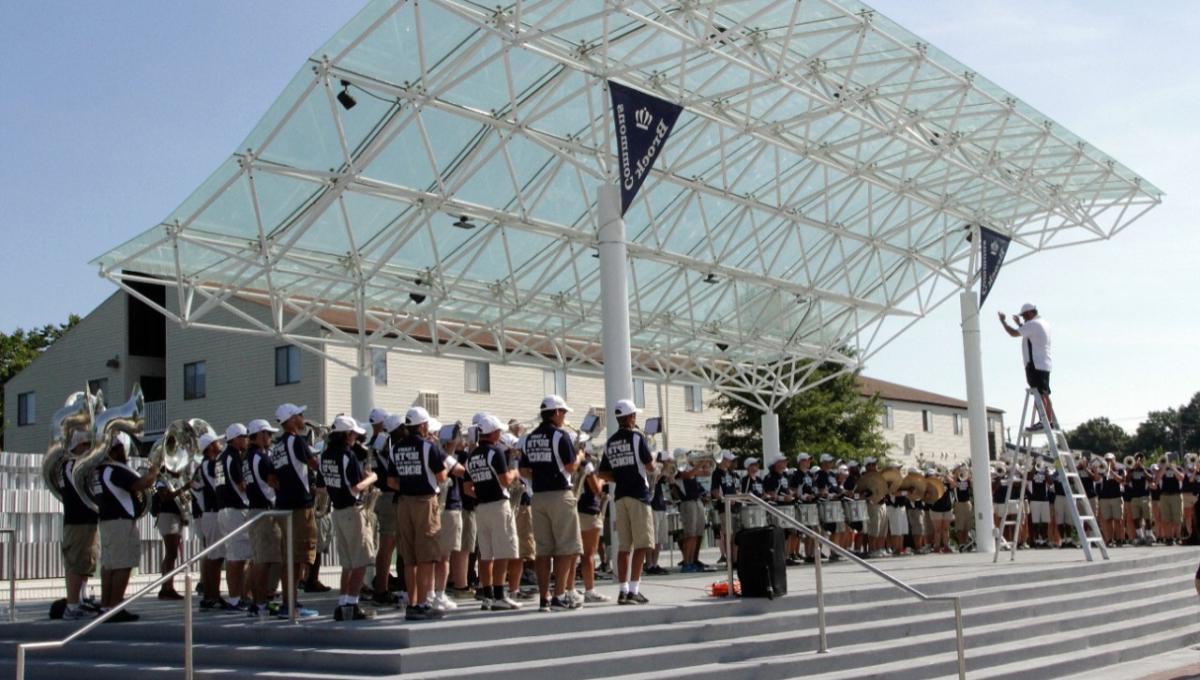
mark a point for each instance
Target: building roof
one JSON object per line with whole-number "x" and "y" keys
{"x": 810, "y": 204}
{"x": 895, "y": 392}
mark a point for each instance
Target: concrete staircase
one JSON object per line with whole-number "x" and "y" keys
{"x": 1060, "y": 619}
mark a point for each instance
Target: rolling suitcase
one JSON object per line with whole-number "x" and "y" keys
{"x": 761, "y": 565}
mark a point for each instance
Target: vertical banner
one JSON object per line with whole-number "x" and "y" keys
{"x": 992, "y": 248}
{"x": 643, "y": 124}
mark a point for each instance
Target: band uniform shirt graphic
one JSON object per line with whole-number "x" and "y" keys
{"x": 626, "y": 456}
{"x": 546, "y": 453}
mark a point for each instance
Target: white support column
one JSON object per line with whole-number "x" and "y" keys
{"x": 362, "y": 387}
{"x": 977, "y": 419}
{"x": 614, "y": 300}
{"x": 770, "y": 438}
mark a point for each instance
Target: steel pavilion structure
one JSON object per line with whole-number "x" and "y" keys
{"x": 821, "y": 192}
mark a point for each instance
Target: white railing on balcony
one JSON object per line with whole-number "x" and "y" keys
{"x": 156, "y": 417}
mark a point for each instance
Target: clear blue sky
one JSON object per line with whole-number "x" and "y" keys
{"x": 111, "y": 113}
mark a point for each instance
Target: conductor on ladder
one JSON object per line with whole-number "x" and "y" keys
{"x": 1035, "y": 350}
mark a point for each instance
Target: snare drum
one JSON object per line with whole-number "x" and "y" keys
{"x": 807, "y": 514}
{"x": 856, "y": 510}
{"x": 752, "y": 517}
{"x": 831, "y": 512}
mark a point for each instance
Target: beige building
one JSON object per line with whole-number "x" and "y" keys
{"x": 929, "y": 427}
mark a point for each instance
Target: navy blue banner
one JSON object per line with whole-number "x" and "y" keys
{"x": 643, "y": 124}
{"x": 993, "y": 248}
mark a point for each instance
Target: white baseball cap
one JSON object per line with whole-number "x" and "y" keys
{"x": 553, "y": 402}
{"x": 416, "y": 415}
{"x": 477, "y": 419}
{"x": 236, "y": 430}
{"x": 625, "y": 407}
{"x": 508, "y": 439}
{"x": 912, "y": 470}
{"x": 825, "y": 457}
{"x": 435, "y": 425}
{"x": 803, "y": 456}
{"x": 207, "y": 439}
{"x": 259, "y": 425}
{"x": 870, "y": 460}
{"x": 377, "y": 416}
{"x": 79, "y": 437}
{"x": 393, "y": 421}
{"x": 727, "y": 455}
{"x": 1110, "y": 456}
{"x": 1028, "y": 307}
{"x": 344, "y": 423}
{"x": 895, "y": 464}
{"x": 842, "y": 469}
{"x": 779, "y": 458}
{"x": 489, "y": 424}
{"x": 751, "y": 461}
{"x": 288, "y": 410}
{"x": 852, "y": 464}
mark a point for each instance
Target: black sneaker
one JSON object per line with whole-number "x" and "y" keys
{"x": 123, "y": 616}
{"x": 361, "y": 614}
{"x": 559, "y": 604}
{"x": 384, "y": 598}
{"x": 637, "y": 598}
{"x": 208, "y": 605}
{"x": 623, "y": 598}
{"x": 544, "y": 605}
{"x": 342, "y": 610}
{"x": 422, "y": 612}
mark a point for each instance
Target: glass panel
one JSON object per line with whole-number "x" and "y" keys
{"x": 379, "y": 366}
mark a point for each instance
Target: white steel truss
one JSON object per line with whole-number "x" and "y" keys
{"x": 814, "y": 200}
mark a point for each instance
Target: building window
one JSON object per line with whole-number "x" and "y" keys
{"x": 639, "y": 393}
{"x": 99, "y": 385}
{"x": 927, "y": 420}
{"x": 958, "y": 428}
{"x": 26, "y": 408}
{"x": 287, "y": 365}
{"x": 693, "y": 398}
{"x": 195, "y": 380}
{"x": 478, "y": 375}
{"x": 555, "y": 382}
{"x": 888, "y": 418}
{"x": 379, "y": 365}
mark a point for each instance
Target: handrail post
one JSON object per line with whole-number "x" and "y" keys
{"x": 12, "y": 575}
{"x": 727, "y": 536}
{"x": 822, "y": 642}
{"x": 962, "y": 645}
{"x": 291, "y": 569}
{"x": 188, "y": 663}
{"x": 20, "y": 662}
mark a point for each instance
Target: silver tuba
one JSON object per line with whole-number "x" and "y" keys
{"x": 128, "y": 418}
{"x": 76, "y": 415}
{"x": 178, "y": 454}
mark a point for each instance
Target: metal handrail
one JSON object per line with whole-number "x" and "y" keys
{"x": 823, "y": 645}
{"x": 12, "y": 573}
{"x": 187, "y": 602}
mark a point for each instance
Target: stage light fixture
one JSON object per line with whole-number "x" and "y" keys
{"x": 711, "y": 278}
{"x": 344, "y": 97}
{"x": 416, "y": 297}
{"x": 721, "y": 346}
{"x": 464, "y": 222}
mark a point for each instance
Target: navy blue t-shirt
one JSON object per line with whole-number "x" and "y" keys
{"x": 289, "y": 457}
{"x": 1170, "y": 483}
{"x": 777, "y": 483}
{"x": 1136, "y": 480}
{"x": 962, "y": 490}
{"x": 725, "y": 482}
{"x": 416, "y": 463}
{"x": 255, "y": 467}
{"x": 341, "y": 471}
{"x": 692, "y": 491}
{"x": 1039, "y": 486}
{"x": 212, "y": 477}
{"x": 111, "y": 485}
{"x": 230, "y": 462}
{"x": 547, "y": 452}
{"x": 658, "y": 501}
{"x": 753, "y": 485}
{"x": 75, "y": 511}
{"x": 626, "y": 456}
{"x": 805, "y": 484}
{"x": 484, "y": 466}
{"x": 588, "y": 503}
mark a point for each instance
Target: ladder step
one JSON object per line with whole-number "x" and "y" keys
{"x": 1078, "y": 495}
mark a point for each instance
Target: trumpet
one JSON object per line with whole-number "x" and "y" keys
{"x": 1129, "y": 461}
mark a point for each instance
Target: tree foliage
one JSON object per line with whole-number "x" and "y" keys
{"x": 19, "y": 348}
{"x": 1099, "y": 435}
{"x": 829, "y": 418}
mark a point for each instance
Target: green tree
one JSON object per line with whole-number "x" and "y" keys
{"x": 1189, "y": 415}
{"x": 1099, "y": 435}
{"x": 829, "y": 418}
{"x": 1157, "y": 433}
{"x": 19, "y": 348}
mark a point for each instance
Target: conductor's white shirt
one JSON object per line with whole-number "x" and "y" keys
{"x": 1035, "y": 343}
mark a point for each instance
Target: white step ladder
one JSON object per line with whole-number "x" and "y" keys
{"x": 1068, "y": 474}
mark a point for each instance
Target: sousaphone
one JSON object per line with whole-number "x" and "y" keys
{"x": 893, "y": 477}
{"x": 874, "y": 485}
{"x": 914, "y": 484}
{"x": 934, "y": 488}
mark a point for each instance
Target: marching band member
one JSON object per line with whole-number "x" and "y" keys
{"x": 940, "y": 514}
{"x": 751, "y": 482}
{"x": 964, "y": 506}
{"x": 658, "y": 507}
{"x": 1038, "y": 490}
{"x": 591, "y": 507}
{"x": 877, "y": 519}
{"x": 116, "y": 487}
{"x": 1109, "y": 491}
{"x": 804, "y": 481}
{"x": 1137, "y": 479}
{"x": 265, "y": 536}
{"x": 451, "y": 538}
{"x": 418, "y": 467}
{"x": 724, "y": 483}
{"x": 372, "y": 500}
{"x": 691, "y": 516}
{"x": 211, "y": 476}
{"x": 629, "y": 465}
{"x": 292, "y": 460}
{"x": 346, "y": 481}
{"x": 1170, "y": 481}
{"x": 169, "y": 522}
{"x": 522, "y": 500}
{"x": 489, "y": 477}
{"x": 1060, "y": 516}
{"x": 857, "y": 530}
{"x": 390, "y": 434}
{"x": 898, "y": 507}
{"x": 777, "y": 490}
{"x": 79, "y": 543}
{"x": 234, "y": 512}
{"x": 1191, "y": 490}
{"x": 549, "y": 460}
{"x": 1155, "y": 530}
{"x": 834, "y": 493}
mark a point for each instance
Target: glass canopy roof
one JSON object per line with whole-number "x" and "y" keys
{"x": 814, "y": 200}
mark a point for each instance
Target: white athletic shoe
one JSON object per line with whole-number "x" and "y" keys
{"x": 447, "y": 602}
{"x": 504, "y": 604}
{"x": 487, "y": 604}
{"x": 592, "y": 597}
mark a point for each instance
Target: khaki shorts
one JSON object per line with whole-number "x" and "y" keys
{"x": 590, "y": 522}
{"x": 1189, "y": 500}
{"x": 324, "y": 531}
{"x": 635, "y": 525}
{"x": 168, "y": 524}
{"x": 497, "y": 531}
{"x": 418, "y": 525}
{"x": 661, "y": 535}
{"x": 265, "y": 540}
{"x": 120, "y": 545}
{"x": 1171, "y": 507}
{"x": 304, "y": 542}
{"x": 469, "y": 531}
{"x": 1039, "y": 512}
{"x": 1110, "y": 508}
{"x": 897, "y": 521}
{"x": 385, "y": 514}
{"x": 964, "y": 516}
{"x": 917, "y": 526}
{"x": 525, "y": 541}
{"x": 355, "y": 545}
{"x": 451, "y": 535}
{"x": 941, "y": 516}
{"x": 210, "y": 532}
{"x": 1139, "y": 508}
{"x": 237, "y": 548}
{"x": 556, "y": 524}
{"x": 1062, "y": 512}
{"x": 877, "y": 520}
{"x": 80, "y": 549}
{"x": 691, "y": 516}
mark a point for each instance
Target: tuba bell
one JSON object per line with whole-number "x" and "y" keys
{"x": 703, "y": 462}
{"x": 76, "y": 415}
{"x": 128, "y": 418}
{"x": 177, "y": 454}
